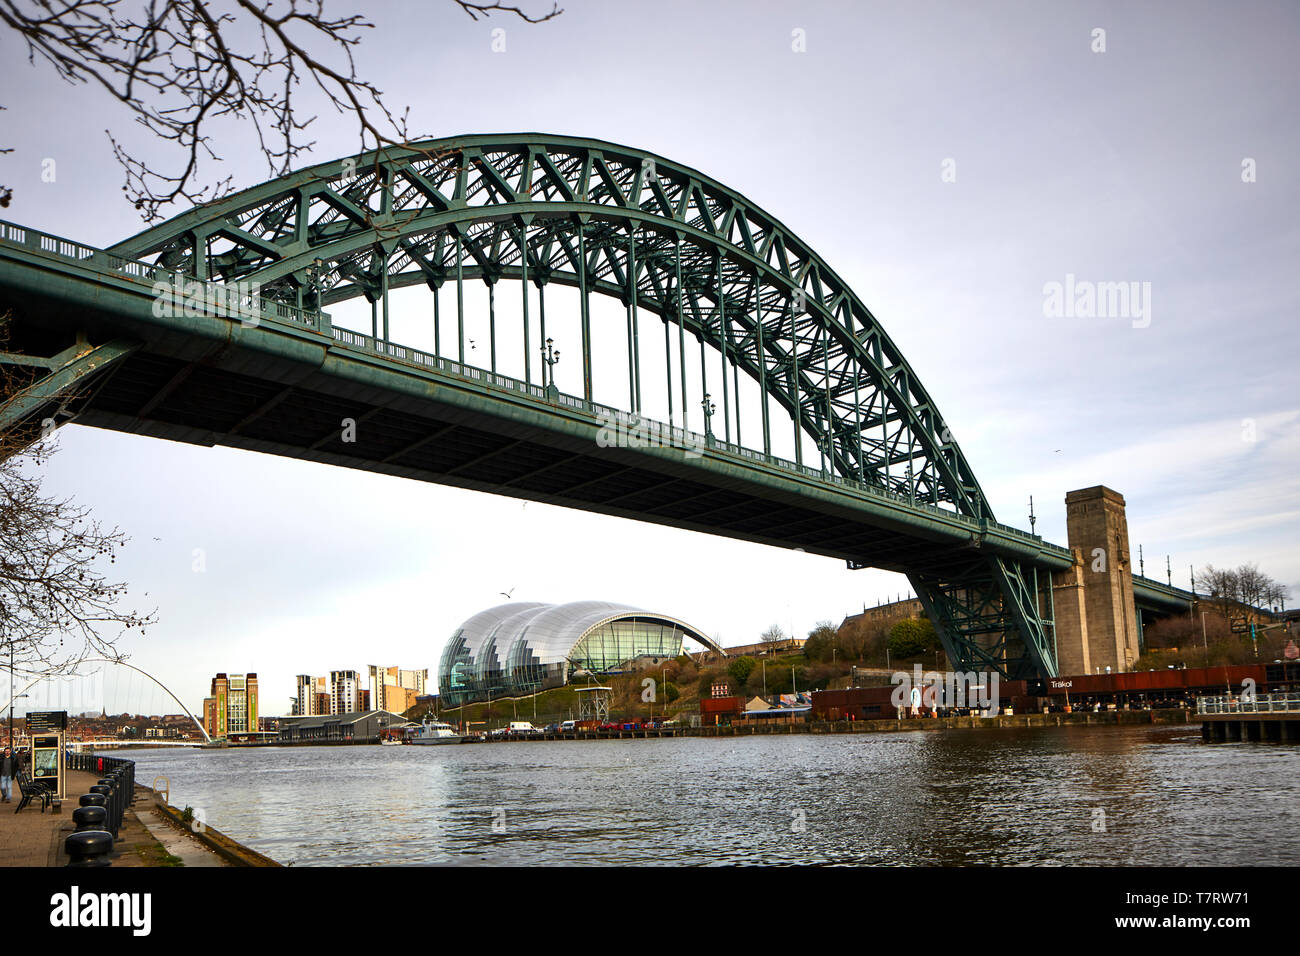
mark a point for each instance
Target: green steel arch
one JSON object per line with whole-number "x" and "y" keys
{"x": 663, "y": 239}
{"x": 658, "y": 236}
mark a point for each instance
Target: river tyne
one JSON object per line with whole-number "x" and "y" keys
{"x": 1114, "y": 796}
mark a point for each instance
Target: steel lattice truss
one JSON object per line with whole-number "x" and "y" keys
{"x": 591, "y": 215}
{"x": 660, "y": 238}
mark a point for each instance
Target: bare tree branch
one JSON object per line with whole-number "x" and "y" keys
{"x": 475, "y": 10}
{"x": 57, "y": 608}
{"x": 175, "y": 66}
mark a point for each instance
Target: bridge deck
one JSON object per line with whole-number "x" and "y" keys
{"x": 286, "y": 385}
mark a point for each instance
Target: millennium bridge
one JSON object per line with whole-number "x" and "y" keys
{"x": 212, "y": 328}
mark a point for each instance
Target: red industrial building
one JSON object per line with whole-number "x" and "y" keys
{"x": 1133, "y": 689}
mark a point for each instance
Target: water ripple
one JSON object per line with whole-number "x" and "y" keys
{"x": 1053, "y": 797}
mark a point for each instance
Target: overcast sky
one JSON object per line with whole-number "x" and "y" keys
{"x": 949, "y": 160}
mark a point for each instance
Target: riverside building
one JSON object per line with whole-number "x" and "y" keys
{"x": 394, "y": 689}
{"x": 523, "y": 647}
{"x": 231, "y": 707}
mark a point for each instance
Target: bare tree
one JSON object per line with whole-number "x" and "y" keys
{"x": 178, "y": 65}
{"x": 1252, "y": 585}
{"x": 57, "y": 607}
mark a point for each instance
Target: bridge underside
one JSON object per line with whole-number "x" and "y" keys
{"x": 216, "y": 395}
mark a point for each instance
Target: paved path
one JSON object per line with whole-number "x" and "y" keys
{"x": 27, "y": 838}
{"x": 33, "y": 838}
{"x": 176, "y": 842}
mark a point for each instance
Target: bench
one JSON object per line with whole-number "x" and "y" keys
{"x": 31, "y": 790}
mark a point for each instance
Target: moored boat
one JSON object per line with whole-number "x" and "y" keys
{"x": 436, "y": 732}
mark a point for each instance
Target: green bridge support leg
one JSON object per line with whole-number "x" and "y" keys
{"x": 990, "y": 618}
{"x": 33, "y": 410}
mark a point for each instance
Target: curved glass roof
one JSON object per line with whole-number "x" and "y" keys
{"x": 524, "y": 633}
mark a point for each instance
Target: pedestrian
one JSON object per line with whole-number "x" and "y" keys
{"x": 8, "y": 767}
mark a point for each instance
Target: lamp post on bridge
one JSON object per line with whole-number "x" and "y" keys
{"x": 316, "y": 281}
{"x": 709, "y": 409}
{"x": 551, "y": 357}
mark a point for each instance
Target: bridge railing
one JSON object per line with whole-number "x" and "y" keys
{"x": 1155, "y": 585}
{"x": 1287, "y": 702}
{"x": 194, "y": 296}
{"x": 653, "y": 432}
{"x": 183, "y": 292}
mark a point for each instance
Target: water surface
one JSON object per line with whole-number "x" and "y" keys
{"x": 1067, "y": 795}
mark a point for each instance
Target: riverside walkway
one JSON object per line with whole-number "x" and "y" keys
{"x": 33, "y": 838}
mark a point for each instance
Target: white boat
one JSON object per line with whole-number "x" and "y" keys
{"x": 436, "y": 732}
{"x": 391, "y": 742}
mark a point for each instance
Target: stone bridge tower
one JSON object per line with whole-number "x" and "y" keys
{"x": 1096, "y": 619}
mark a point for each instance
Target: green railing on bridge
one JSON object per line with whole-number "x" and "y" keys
{"x": 217, "y": 299}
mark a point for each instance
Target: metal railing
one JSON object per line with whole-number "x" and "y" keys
{"x": 1287, "y": 702}
{"x": 652, "y": 433}
{"x": 205, "y": 297}
{"x": 1161, "y": 586}
{"x": 117, "y": 783}
{"x": 191, "y": 295}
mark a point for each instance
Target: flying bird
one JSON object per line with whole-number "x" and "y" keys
{"x": 506, "y": 594}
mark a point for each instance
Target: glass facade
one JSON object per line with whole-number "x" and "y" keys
{"x": 523, "y": 647}
{"x": 607, "y": 647}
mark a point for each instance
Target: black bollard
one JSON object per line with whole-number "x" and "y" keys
{"x": 113, "y": 794}
{"x": 93, "y": 800}
{"x": 89, "y": 848}
{"x": 89, "y": 818}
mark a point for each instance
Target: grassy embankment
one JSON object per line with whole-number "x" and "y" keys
{"x": 679, "y": 685}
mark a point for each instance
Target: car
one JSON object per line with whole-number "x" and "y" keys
{"x": 569, "y": 725}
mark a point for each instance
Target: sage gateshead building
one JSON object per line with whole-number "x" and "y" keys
{"x": 523, "y": 647}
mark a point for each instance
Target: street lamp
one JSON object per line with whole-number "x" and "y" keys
{"x": 709, "y": 409}
{"x": 4, "y": 616}
{"x": 316, "y": 281}
{"x": 551, "y": 358}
